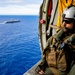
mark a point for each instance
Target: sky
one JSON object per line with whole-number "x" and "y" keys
{"x": 20, "y": 7}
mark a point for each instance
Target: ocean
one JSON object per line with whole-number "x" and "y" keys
{"x": 19, "y": 44}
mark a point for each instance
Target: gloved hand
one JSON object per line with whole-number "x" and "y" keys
{"x": 41, "y": 66}
{"x": 37, "y": 69}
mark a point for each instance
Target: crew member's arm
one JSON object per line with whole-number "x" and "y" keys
{"x": 41, "y": 66}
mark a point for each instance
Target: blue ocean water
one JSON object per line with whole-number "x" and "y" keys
{"x": 19, "y": 44}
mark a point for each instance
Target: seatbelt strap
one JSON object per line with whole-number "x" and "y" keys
{"x": 55, "y": 72}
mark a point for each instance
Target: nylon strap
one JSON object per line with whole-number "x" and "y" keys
{"x": 55, "y": 72}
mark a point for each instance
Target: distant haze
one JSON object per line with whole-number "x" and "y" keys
{"x": 20, "y": 7}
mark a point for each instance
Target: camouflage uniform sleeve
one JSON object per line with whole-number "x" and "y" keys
{"x": 43, "y": 64}
{"x": 58, "y": 36}
{"x": 71, "y": 40}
